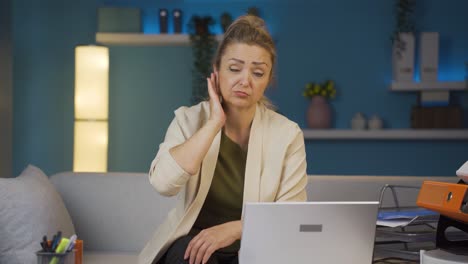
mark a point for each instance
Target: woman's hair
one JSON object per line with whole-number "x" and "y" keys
{"x": 250, "y": 30}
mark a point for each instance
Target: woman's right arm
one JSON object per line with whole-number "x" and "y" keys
{"x": 176, "y": 161}
{"x": 190, "y": 154}
{"x": 178, "y": 158}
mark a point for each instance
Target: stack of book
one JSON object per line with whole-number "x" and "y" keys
{"x": 436, "y": 117}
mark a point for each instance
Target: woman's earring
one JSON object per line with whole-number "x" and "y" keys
{"x": 220, "y": 99}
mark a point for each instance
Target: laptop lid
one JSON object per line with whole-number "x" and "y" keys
{"x": 308, "y": 232}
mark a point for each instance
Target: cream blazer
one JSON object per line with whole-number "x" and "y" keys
{"x": 275, "y": 170}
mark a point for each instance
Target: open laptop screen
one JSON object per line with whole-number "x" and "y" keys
{"x": 308, "y": 232}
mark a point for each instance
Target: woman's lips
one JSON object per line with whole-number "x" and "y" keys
{"x": 240, "y": 94}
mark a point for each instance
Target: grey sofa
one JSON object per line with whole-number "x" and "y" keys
{"x": 116, "y": 213}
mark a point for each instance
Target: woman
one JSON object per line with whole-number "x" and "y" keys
{"x": 224, "y": 152}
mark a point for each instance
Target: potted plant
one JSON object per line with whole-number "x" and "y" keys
{"x": 203, "y": 47}
{"x": 403, "y": 41}
{"x": 319, "y": 112}
{"x": 404, "y": 12}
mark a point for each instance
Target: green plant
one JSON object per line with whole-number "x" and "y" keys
{"x": 404, "y": 14}
{"x": 203, "y": 47}
{"x": 327, "y": 90}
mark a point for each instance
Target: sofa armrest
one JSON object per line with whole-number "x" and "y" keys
{"x": 112, "y": 211}
{"x": 366, "y": 188}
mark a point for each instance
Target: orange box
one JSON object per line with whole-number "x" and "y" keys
{"x": 445, "y": 198}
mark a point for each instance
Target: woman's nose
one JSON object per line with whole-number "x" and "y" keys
{"x": 245, "y": 79}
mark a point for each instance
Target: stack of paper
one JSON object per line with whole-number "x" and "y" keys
{"x": 406, "y": 217}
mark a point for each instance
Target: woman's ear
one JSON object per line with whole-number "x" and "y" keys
{"x": 215, "y": 69}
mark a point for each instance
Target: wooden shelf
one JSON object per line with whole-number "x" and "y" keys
{"x": 140, "y": 39}
{"x": 428, "y": 86}
{"x": 386, "y": 134}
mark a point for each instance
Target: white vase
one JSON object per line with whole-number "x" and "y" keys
{"x": 358, "y": 122}
{"x": 375, "y": 123}
{"x": 403, "y": 58}
{"x": 428, "y": 56}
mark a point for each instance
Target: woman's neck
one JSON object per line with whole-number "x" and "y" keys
{"x": 238, "y": 123}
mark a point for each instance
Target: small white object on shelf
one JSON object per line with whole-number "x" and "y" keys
{"x": 462, "y": 172}
{"x": 358, "y": 122}
{"x": 375, "y": 123}
{"x": 140, "y": 39}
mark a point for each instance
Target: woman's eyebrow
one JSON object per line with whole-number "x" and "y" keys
{"x": 237, "y": 60}
{"x": 259, "y": 63}
{"x": 243, "y": 62}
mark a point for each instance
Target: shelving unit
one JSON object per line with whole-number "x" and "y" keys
{"x": 428, "y": 86}
{"x": 140, "y": 39}
{"x": 386, "y": 134}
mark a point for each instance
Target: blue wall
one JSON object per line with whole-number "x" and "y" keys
{"x": 347, "y": 41}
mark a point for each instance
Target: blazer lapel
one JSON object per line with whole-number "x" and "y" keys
{"x": 254, "y": 159}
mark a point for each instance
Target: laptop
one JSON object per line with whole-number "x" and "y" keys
{"x": 308, "y": 232}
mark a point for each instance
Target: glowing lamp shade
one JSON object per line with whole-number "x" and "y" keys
{"x": 91, "y": 82}
{"x": 90, "y": 151}
{"x": 91, "y": 109}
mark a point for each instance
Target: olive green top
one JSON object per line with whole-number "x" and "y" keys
{"x": 224, "y": 200}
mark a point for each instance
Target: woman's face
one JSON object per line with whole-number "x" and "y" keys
{"x": 244, "y": 74}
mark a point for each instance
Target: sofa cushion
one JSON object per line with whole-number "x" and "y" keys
{"x": 30, "y": 208}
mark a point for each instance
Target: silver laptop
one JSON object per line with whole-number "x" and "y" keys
{"x": 309, "y": 232}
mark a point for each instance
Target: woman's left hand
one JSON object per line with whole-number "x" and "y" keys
{"x": 211, "y": 239}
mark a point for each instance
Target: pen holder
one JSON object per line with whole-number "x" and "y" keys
{"x": 55, "y": 258}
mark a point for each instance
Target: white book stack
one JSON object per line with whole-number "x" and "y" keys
{"x": 403, "y": 58}
{"x": 428, "y": 70}
{"x": 429, "y": 56}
